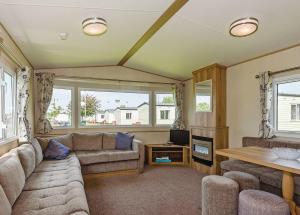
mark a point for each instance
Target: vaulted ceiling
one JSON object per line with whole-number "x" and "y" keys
{"x": 194, "y": 37}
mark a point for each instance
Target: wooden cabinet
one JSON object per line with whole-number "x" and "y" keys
{"x": 211, "y": 124}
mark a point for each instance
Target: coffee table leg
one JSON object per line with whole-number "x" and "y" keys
{"x": 288, "y": 190}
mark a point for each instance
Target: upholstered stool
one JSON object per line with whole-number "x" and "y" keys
{"x": 257, "y": 202}
{"x": 246, "y": 181}
{"x": 219, "y": 195}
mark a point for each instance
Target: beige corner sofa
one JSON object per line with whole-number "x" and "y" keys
{"x": 97, "y": 152}
{"x": 30, "y": 185}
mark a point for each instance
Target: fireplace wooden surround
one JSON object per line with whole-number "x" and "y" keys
{"x": 210, "y": 123}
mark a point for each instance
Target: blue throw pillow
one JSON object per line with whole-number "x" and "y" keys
{"x": 124, "y": 141}
{"x": 56, "y": 151}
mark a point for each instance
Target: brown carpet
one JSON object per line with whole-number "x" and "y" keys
{"x": 159, "y": 190}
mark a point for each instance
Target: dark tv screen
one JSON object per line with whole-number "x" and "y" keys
{"x": 180, "y": 137}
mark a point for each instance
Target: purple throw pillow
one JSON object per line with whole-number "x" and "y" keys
{"x": 124, "y": 141}
{"x": 56, "y": 151}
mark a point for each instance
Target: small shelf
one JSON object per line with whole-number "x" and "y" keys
{"x": 177, "y": 154}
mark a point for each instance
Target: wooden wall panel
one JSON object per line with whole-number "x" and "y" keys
{"x": 212, "y": 124}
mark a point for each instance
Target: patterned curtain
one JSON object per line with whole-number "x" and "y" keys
{"x": 23, "y": 81}
{"x": 178, "y": 93}
{"x": 266, "y": 93}
{"x": 44, "y": 95}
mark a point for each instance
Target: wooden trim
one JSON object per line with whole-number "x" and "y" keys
{"x": 78, "y": 78}
{"x": 151, "y": 73}
{"x": 210, "y": 66}
{"x": 76, "y": 67}
{"x": 171, "y": 11}
{"x": 264, "y": 55}
{"x": 14, "y": 42}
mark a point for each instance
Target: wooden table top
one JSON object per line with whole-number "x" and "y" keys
{"x": 261, "y": 156}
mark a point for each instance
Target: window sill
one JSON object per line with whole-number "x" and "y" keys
{"x": 287, "y": 135}
{"x": 9, "y": 140}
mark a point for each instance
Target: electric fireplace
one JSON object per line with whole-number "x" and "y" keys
{"x": 202, "y": 150}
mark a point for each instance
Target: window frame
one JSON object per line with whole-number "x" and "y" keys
{"x": 155, "y": 109}
{"x": 72, "y": 107}
{"x": 79, "y": 89}
{"x": 15, "y": 104}
{"x": 274, "y": 109}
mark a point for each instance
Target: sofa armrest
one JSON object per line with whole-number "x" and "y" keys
{"x": 138, "y": 146}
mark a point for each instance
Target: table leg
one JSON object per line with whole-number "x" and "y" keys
{"x": 288, "y": 190}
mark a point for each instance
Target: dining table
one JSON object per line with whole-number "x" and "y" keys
{"x": 266, "y": 157}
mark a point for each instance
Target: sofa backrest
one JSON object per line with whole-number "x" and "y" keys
{"x": 26, "y": 155}
{"x": 109, "y": 141}
{"x": 12, "y": 177}
{"x": 67, "y": 140}
{"x": 271, "y": 143}
{"x": 83, "y": 141}
{"x": 87, "y": 142}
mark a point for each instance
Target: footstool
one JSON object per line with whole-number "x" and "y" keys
{"x": 257, "y": 202}
{"x": 219, "y": 195}
{"x": 246, "y": 181}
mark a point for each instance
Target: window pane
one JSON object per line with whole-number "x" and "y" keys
{"x": 288, "y": 106}
{"x": 165, "y": 109}
{"x": 9, "y": 105}
{"x": 113, "y": 108}
{"x": 60, "y": 109}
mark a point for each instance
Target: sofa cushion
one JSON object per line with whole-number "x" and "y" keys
{"x": 69, "y": 199}
{"x": 43, "y": 180}
{"x": 5, "y": 205}
{"x": 38, "y": 151}
{"x": 87, "y": 141}
{"x": 236, "y": 165}
{"x": 55, "y": 150}
{"x": 56, "y": 165}
{"x": 109, "y": 141}
{"x": 12, "y": 177}
{"x": 27, "y": 158}
{"x": 66, "y": 140}
{"x": 92, "y": 157}
{"x": 124, "y": 141}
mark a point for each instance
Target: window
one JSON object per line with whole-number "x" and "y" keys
{"x": 164, "y": 114}
{"x": 165, "y": 108}
{"x": 287, "y": 105}
{"x": 118, "y": 108}
{"x": 8, "y": 114}
{"x": 60, "y": 109}
{"x": 128, "y": 115}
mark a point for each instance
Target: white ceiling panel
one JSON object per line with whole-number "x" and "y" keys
{"x": 198, "y": 35}
{"x": 35, "y": 26}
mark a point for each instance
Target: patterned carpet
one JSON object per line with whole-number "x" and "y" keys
{"x": 159, "y": 190}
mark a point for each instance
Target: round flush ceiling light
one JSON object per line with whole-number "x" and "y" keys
{"x": 94, "y": 26}
{"x": 243, "y": 27}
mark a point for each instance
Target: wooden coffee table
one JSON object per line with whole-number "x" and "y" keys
{"x": 265, "y": 157}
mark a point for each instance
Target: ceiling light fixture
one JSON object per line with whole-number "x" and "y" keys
{"x": 243, "y": 27}
{"x": 94, "y": 26}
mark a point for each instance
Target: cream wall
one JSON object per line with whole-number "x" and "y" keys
{"x": 243, "y": 108}
{"x": 146, "y": 134}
